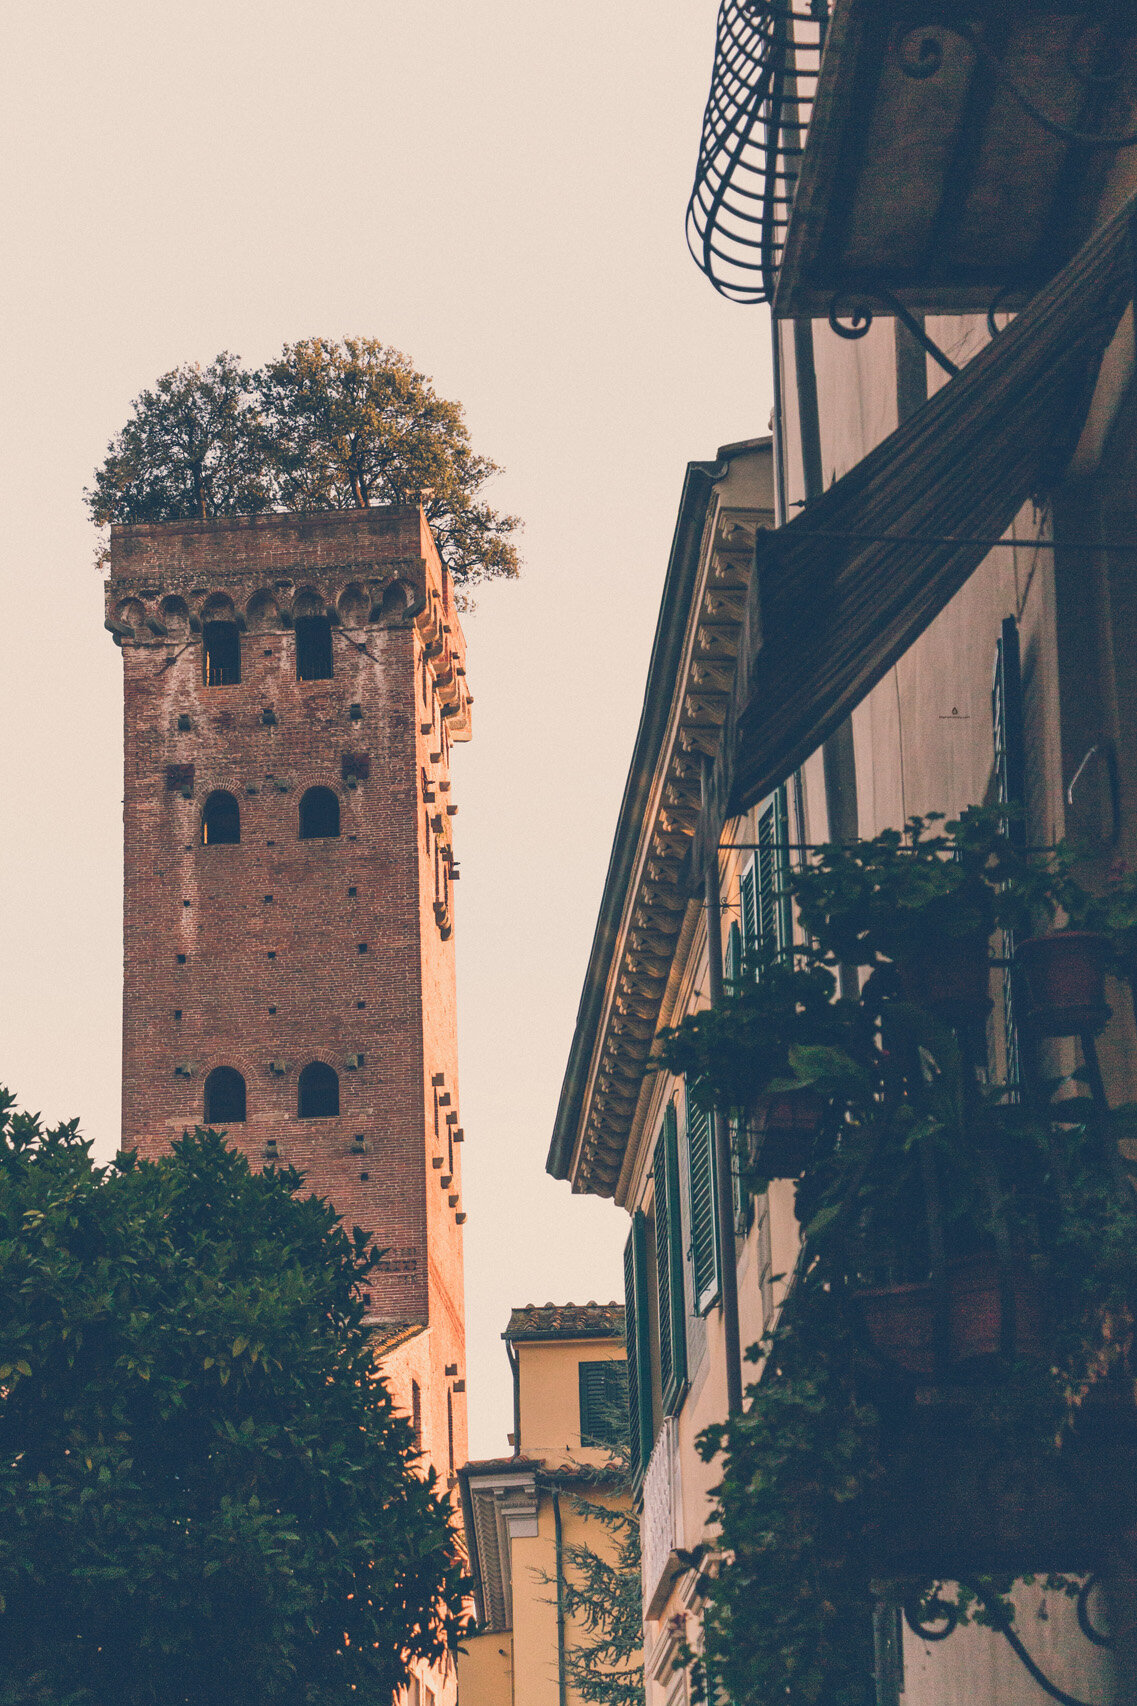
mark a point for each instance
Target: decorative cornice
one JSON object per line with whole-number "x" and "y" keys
{"x": 702, "y": 621}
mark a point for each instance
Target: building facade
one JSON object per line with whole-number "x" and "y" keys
{"x": 292, "y": 687}
{"x": 932, "y": 609}
{"x": 523, "y": 1513}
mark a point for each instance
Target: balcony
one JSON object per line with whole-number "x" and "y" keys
{"x": 945, "y": 156}
{"x": 662, "y": 1529}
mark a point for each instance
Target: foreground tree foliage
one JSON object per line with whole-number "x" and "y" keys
{"x": 327, "y": 425}
{"x": 206, "y": 1495}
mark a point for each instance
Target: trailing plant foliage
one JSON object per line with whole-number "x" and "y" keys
{"x": 731, "y": 1054}
{"x": 923, "y": 1165}
{"x": 206, "y": 1494}
{"x": 328, "y": 424}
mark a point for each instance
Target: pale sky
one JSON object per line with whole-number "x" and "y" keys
{"x": 496, "y": 187}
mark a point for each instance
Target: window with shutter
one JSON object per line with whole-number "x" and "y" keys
{"x": 748, "y": 914}
{"x": 638, "y": 1365}
{"x": 669, "y": 1266}
{"x": 603, "y": 1403}
{"x": 732, "y": 962}
{"x": 771, "y": 868}
{"x": 704, "y": 1232}
{"x": 1010, "y": 790}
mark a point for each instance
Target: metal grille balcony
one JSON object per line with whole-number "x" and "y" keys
{"x": 662, "y": 1517}
{"x": 767, "y": 56}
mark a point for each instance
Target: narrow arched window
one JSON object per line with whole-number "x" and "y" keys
{"x": 221, "y": 654}
{"x": 221, "y": 820}
{"x": 313, "y": 648}
{"x": 319, "y": 814}
{"x": 224, "y": 1097}
{"x": 318, "y": 1095}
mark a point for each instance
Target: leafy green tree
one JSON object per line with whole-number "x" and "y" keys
{"x": 193, "y": 448}
{"x": 327, "y": 425}
{"x": 206, "y": 1495}
{"x": 352, "y": 424}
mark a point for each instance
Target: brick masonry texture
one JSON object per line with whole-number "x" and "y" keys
{"x": 278, "y": 951}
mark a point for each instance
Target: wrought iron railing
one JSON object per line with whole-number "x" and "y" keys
{"x": 767, "y": 57}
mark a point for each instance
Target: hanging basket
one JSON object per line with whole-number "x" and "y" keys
{"x": 1062, "y": 977}
{"x": 782, "y": 1132}
{"x": 900, "y": 1319}
{"x": 949, "y": 975}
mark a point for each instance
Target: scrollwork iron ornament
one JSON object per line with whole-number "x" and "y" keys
{"x": 919, "y": 53}
{"x": 852, "y": 307}
{"x": 934, "y": 1619}
{"x": 1092, "y": 1635}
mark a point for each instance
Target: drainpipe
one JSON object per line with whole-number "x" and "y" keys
{"x": 513, "y": 1364}
{"x": 838, "y": 759}
{"x": 724, "y": 1200}
{"x": 558, "y": 1539}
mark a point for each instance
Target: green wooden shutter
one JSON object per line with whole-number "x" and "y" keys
{"x": 669, "y": 1265}
{"x": 704, "y": 1230}
{"x": 732, "y": 964}
{"x": 638, "y": 1347}
{"x": 748, "y": 914}
{"x": 771, "y": 869}
{"x": 603, "y": 1391}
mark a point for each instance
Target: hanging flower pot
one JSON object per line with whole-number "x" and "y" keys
{"x": 782, "y": 1131}
{"x": 900, "y": 1319}
{"x": 1062, "y": 977}
{"x": 949, "y": 975}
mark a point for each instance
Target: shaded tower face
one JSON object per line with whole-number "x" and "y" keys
{"x": 292, "y": 686}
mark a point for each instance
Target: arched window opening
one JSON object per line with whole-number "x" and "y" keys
{"x": 221, "y": 651}
{"x": 313, "y": 648}
{"x": 221, "y": 820}
{"x": 319, "y": 814}
{"x": 224, "y": 1097}
{"x": 318, "y": 1095}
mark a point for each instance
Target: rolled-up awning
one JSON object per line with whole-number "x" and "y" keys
{"x": 845, "y": 588}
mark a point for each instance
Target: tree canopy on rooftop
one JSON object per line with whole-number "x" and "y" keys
{"x": 327, "y": 425}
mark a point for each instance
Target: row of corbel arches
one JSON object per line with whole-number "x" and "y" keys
{"x": 269, "y": 609}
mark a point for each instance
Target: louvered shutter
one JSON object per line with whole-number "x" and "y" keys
{"x": 732, "y": 964}
{"x": 669, "y": 1265}
{"x": 704, "y": 1232}
{"x": 770, "y": 866}
{"x": 603, "y": 1401}
{"x": 638, "y": 1348}
{"x": 748, "y": 914}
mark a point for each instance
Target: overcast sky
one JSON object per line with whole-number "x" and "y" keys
{"x": 496, "y": 187}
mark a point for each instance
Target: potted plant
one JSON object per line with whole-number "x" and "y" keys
{"x": 924, "y": 901}
{"x": 737, "y": 1058}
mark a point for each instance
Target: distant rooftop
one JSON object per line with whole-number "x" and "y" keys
{"x": 566, "y": 1321}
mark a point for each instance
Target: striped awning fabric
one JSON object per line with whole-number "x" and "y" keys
{"x": 845, "y": 588}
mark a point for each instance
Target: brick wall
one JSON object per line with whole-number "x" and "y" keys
{"x": 276, "y": 952}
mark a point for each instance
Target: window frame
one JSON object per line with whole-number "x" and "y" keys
{"x": 671, "y": 1291}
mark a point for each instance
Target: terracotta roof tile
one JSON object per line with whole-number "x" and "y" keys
{"x": 566, "y": 1321}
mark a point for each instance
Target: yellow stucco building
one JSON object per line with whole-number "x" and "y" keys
{"x": 523, "y": 1514}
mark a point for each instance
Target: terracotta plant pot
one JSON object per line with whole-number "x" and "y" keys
{"x": 949, "y": 975}
{"x": 900, "y": 1319}
{"x": 1062, "y": 978}
{"x": 782, "y": 1131}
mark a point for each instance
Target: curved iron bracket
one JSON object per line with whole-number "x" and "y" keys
{"x": 946, "y": 1619}
{"x": 860, "y": 318}
{"x": 928, "y": 57}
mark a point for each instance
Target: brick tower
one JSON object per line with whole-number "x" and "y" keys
{"x": 292, "y": 687}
